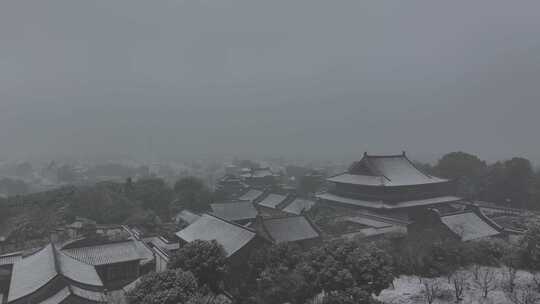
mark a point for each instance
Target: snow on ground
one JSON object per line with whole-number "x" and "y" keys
{"x": 409, "y": 290}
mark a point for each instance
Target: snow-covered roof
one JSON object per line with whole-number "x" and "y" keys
{"x": 469, "y": 226}
{"x": 35, "y": 271}
{"x": 298, "y": 205}
{"x": 186, "y": 216}
{"x": 235, "y": 211}
{"x": 356, "y": 179}
{"x": 251, "y": 195}
{"x": 387, "y": 170}
{"x": 290, "y": 229}
{"x": 273, "y": 200}
{"x": 232, "y": 237}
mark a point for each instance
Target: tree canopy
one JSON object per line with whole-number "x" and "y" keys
{"x": 192, "y": 194}
{"x": 205, "y": 259}
{"x": 168, "y": 287}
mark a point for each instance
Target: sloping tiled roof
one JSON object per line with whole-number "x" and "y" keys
{"x": 356, "y": 179}
{"x": 468, "y": 226}
{"x": 31, "y": 273}
{"x": 106, "y": 253}
{"x": 299, "y": 205}
{"x": 390, "y": 170}
{"x": 235, "y": 211}
{"x": 290, "y": 229}
{"x": 232, "y": 237}
{"x": 77, "y": 270}
{"x": 187, "y": 216}
{"x": 251, "y": 195}
{"x": 38, "y": 269}
{"x": 399, "y": 171}
{"x": 273, "y": 200}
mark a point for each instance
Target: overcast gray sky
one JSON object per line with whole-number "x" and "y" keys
{"x": 274, "y": 77}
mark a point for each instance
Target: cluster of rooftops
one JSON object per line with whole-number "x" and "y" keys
{"x": 71, "y": 272}
{"x": 376, "y": 188}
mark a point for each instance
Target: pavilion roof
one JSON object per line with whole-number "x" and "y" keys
{"x": 385, "y": 170}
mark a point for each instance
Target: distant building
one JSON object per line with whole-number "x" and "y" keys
{"x": 230, "y": 187}
{"x": 260, "y": 177}
{"x": 389, "y": 184}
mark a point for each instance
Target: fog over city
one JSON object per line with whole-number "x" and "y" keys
{"x": 301, "y": 78}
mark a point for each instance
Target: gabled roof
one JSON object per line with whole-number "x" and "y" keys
{"x": 251, "y": 195}
{"x": 186, "y": 216}
{"x": 273, "y": 200}
{"x": 385, "y": 170}
{"x": 231, "y": 236}
{"x": 38, "y": 269}
{"x": 235, "y": 211}
{"x": 298, "y": 205}
{"x": 117, "y": 252}
{"x": 469, "y": 226}
{"x": 289, "y": 229}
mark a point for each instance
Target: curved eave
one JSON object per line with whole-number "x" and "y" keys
{"x": 390, "y": 185}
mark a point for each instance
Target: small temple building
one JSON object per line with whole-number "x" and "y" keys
{"x": 466, "y": 225}
{"x": 388, "y": 184}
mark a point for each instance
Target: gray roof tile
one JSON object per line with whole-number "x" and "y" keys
{"x": 298, "y": 205}
{"x": 232, "y": 237}
{"x": 273, "y": 200}
{"x": 468, "y": 226}
{"x": 251, "y": 195}
{"x": 235, "y": 211}
{"x": 106, "y": 253}
{"x": 290, "y": 229}
{"x": 34, "y": 271}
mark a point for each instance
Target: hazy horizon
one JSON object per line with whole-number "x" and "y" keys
{"x": 314, "y": 79}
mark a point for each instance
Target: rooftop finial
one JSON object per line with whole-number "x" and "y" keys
{"x": 403, "y": 153}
